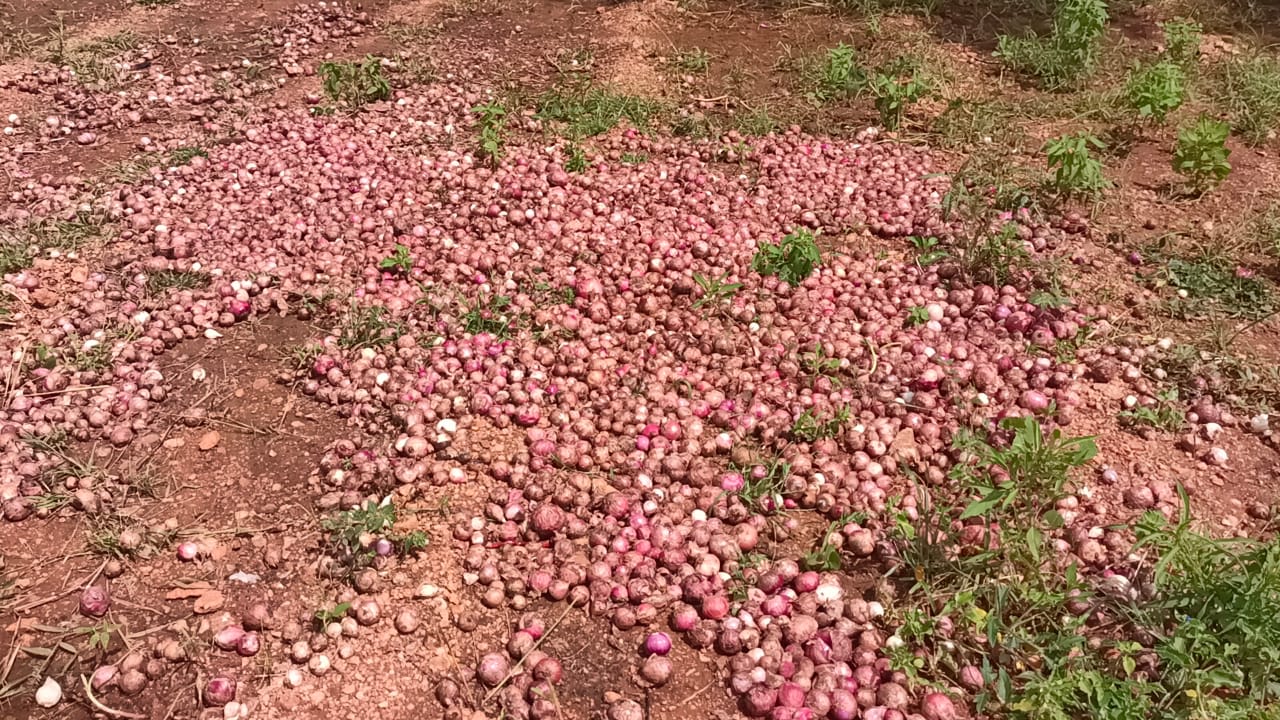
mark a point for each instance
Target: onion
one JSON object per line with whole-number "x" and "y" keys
{"x": 937, "y": 706}
{"x": 95, "y": 601}
{"x": 657, "y": 643}
{"x": 656, "y": 670}
{"x": 228, "y": 638}
{"x": 493, "y": 669}
{"x": 220, "y": 690}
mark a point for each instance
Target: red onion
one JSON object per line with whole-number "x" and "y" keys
{"x": 493, "y": 669}
{"x": 220, "y": 690}
{"x": 657, "y": 643}
{"x": 228, "y": 638}
{"x": 937, "y": 706}
{"x": 95, "y": 601}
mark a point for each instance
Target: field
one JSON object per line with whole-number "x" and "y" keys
{"x": 532, "y": 359}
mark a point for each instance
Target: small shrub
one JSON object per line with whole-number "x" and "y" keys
{"x": 1075, "y": 169}
{"x": 493, "y": 119}
{"x": 792, "y": 259}
{"x": 1201, "y": 154}
{"x": 1248, "y": 89}
{"x": 1182, "y": 41}
{"x": 1069, "y": 52}
{"x": 355, "y": 83}
{"x": 1153, "y": 91}
{"x": 838, "y": 76}
{"x": 895, "y": 88}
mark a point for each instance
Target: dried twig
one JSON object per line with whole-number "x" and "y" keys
{"x": 515, "y": 668}
{"x": 88, "y": 692}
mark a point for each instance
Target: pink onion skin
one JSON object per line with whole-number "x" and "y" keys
{"x": 219, "y": 691}
{"x": 937, "y": 706}
{"x": 95, "y": 601}
{"x": 657, "y": 643}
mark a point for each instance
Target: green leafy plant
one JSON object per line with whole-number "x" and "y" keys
{"x": 895, "y": 88}
{"x": 577, "y": 160}
{"x": 355, "y": 83}
{"x": 763, "y": 490}
{"x": 493, "y": 119}
{"x": 917, "y": 315}
{"x": 1201, "y": 154}
{"x": 1247, "y": 89}
{"x": 14, "y": 257}
{"x": 1153, "y": 91}
{"x": 162, "y": 280}
{"x": 792, "y": 259}
{"x": 928, "y": 251}
{"x": 632, "y": 158}
{"x": 694, "y": 60}
{"x": 353, "y": 532}
{"x": 756, "y": 123}
{"x": 368, "y": 327}
{"x": 489, "y": 315}
{"x": 1163, "y": 414}
{"x": 818, "y": 364}
{"x": 1034, "y": 467}
{"x": 1182, "y": 41}
{"x": 1069, "y": 52}
{"x": 838, "y": 75}
{"x": 587, "y": 111}
{"x": 1215, "y": 283}
{"x": 811, "y": 426}
{"x": 715, "y": 291}
{"x": 1075, "y": 170}
{"x": 400, "y": 261}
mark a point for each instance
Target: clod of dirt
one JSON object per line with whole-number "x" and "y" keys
{"x": 210, "y": 440}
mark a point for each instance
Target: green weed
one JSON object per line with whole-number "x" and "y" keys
{"x": 489, "y": 315}
{"x": 634, "y": 158}
{"x": 1206, "y": 283}
{"x": 811, "y": 426}
{"x": 895, "y": 88}
{"x": 586, "y": 111}
{"x": 715, "y": 291}
{"x": 1153, "y": 91}
{"x": 577, "y": 160}
{"x": 792, "y": 259}
{"x": 368, "y": 327}
{"x": 818, "y": 364}
{"x": 353, "y": 532}
{"x": 355, "y": 84}
{"x": 492, "y": 117}
{"x": 837, "y": 76}
{"x": 184, "y": 155}
{"x": 162, "y": 281}
{"x": 1163, "y": 414}
{"x": 1248, "y": 91}
{"x": 928, "y": 251}
{"x": 826, "y": 556}
{"x": 1201, "y": 154}
{"x": 1075, "y": 170}
{"x": 1182, "y": 41}
{"x": 693, "y": 60}
{"x": 756, "y": 123}
{"x": 14, "y": 257}
{"x": 399, "y": 261}
{"x": 1068, "y": 53}
{"x": 764, "y": 484}
{"x": 916, "y": 315}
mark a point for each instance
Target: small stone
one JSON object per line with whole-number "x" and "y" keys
{"x": 209, "y": 440}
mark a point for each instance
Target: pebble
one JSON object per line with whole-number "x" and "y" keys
{"x": 210, "y": 440}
